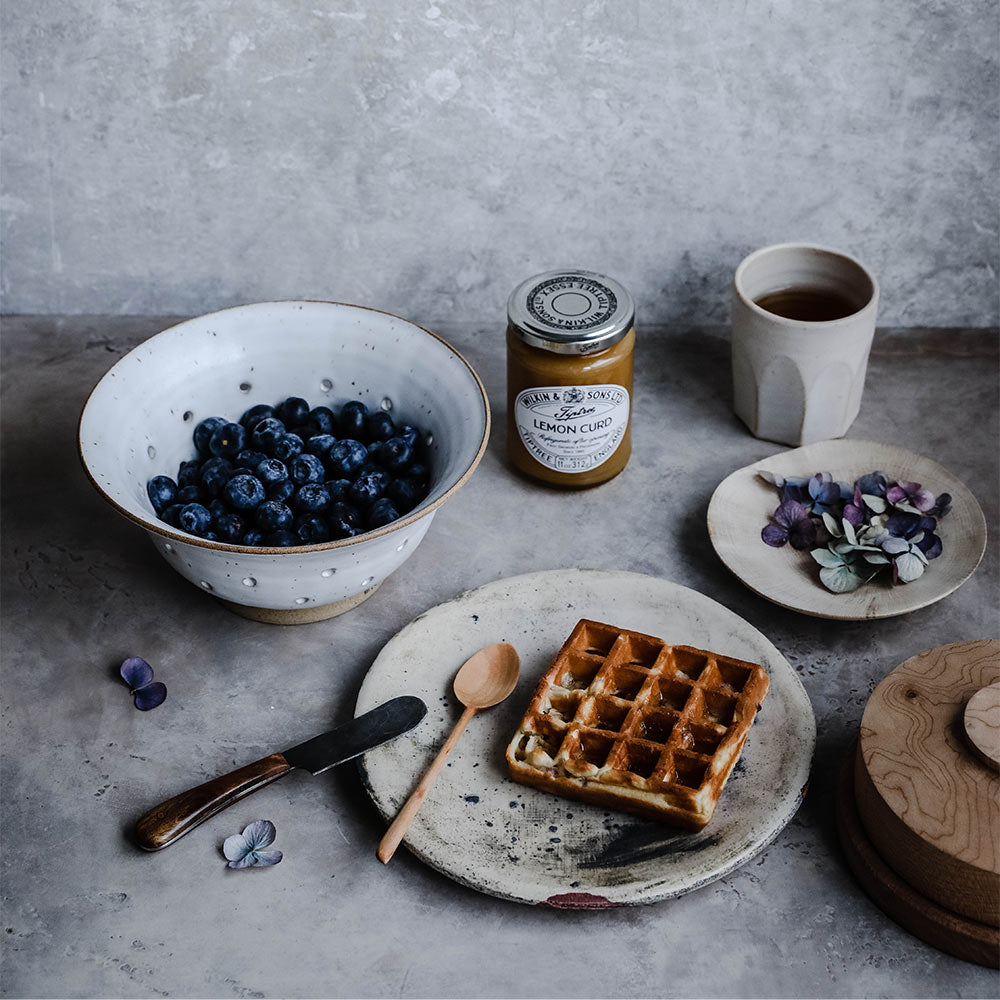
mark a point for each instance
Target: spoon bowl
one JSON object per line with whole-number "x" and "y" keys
{"x": 484, "y": 680}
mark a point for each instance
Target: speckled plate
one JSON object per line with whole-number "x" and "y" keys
{"x": 489, "y": 833}
{"x": 743, "y": 502}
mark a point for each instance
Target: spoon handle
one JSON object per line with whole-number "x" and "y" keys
{"x": 387, "y": 846}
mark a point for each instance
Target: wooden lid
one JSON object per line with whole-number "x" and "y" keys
{"x": 930, "y": 806}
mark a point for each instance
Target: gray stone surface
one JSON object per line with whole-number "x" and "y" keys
{"x": 86, "y": 914}
{"x": 424, "y": 158}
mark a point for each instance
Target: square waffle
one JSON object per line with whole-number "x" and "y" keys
{"x": 626, "y": 721}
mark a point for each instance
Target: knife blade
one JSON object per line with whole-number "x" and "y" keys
{"x": 170, "y": 820}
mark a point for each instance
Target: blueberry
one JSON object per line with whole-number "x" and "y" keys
{"x": 346, "y": 457}
{"x": 271, "y": 471}
{"x": 215, "y": 473}
{"x": 210, "y": 536}
{"x": 244, "y": 492}
{"x": 282, "y": 538}
{"x": 307, "y": 469}
{"x": 312, "y": 530}
{"x": 382, "y": 513}
{"x": 405, "y": 494}
{"x": 281, "y": 491}
{"x": 287, "y": 447}
{"x": 366, "y": 489}
{"x": 195, "y": 518}
{"x": 249, "y": 459}
{"x": 189, "y": 494}
{"x": 345, "y": 512}
{"x": 216, "y": 508}
{"x": 339, "y": 528}
{"x": 395, "y": 454}
{"x": 204, "y": 431}
{"x": 337, "y": 488}
{"x": 379, "y": 426}
{"x": 323, "y": 418}
{"x": 351, "y": 420}
{"x": 253, "y": 537}
{"x": 320, "y": 444}
{"x": 409, "y": 434}
{"x": 169, "y": 515}
{"x": 162, "y": 492}
{"x": 266, "y": 433}
{"x": 189, "y": 473}
{"x": 292, "y": 411}
{"x": 229, "y": 528}
{"x": 255, "y": 415}
{"x": 311, "y": 498}
{"x": 272, "y": 515}
{"x": 419, "y": 473}
{"x": 227, "y": 440}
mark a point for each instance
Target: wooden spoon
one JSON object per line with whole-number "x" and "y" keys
{"x": 484, "y": 680}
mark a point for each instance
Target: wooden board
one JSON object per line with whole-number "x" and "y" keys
{"x": 957, "y": 935}
{"x": 929, "y": 806}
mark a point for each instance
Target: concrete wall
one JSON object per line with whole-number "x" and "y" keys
{"x": 424, "y": 157}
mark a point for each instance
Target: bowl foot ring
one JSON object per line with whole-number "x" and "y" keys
{"x": 300, "y": 616}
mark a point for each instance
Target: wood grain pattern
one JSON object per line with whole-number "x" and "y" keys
{"x": 929, "y": 806}
{"x": 168, "y": 821}
{"x": 966, "y": 939}
{"x": 743, "y": 502}
{"x": 982, "y": 724}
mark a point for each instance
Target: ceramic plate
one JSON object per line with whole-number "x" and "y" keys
{"x": 743, "y": 503}
{"x": 486, "y": 831}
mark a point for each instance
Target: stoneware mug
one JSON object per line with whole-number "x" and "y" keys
{"x": 799, "y": 370}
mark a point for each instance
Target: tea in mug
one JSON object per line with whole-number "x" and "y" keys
{"x": 812, "y": 305}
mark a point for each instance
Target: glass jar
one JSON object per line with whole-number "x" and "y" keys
{"x": 570, "y": 338}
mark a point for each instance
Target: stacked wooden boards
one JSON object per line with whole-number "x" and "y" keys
{"x": 919, "y": 802}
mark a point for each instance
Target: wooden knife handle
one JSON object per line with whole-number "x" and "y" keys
{"x": 168, "y": 821}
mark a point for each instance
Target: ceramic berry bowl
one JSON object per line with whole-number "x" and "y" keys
{"x": 139, "y": 421}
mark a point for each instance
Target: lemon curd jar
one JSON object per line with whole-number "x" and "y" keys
{"x": 570, "y": 339}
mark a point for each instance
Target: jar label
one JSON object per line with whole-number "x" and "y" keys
{"x": 572, "y": 428}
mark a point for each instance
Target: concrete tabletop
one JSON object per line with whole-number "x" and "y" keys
{"x": 85, "y": 913}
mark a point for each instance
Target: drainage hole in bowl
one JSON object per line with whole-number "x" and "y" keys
{"x": 301, "y": 600}
{"x": 207, "y": 585}
{"x": 429, "y": 440}
{"x": 386, "y": 404}
{"x": 167, "y": 547}
{"x": 245, "y": 386}
{"x": 328, "y": 573}
{"x": 402, "y": 545}
{"x": 187, "y": 415}
{"x": 325, "y": 385}
{"x": 367, "y": 582}
{"x": 249, "y": 581}
{"x": 151, "y": 451}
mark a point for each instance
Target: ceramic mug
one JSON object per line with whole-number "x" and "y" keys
{"x": 803, "y": 321}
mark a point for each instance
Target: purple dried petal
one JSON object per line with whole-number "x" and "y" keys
{"x": 774, "y": 535}
{"x": 803, "y": 534}
{"x": 150, "y": 695}
{"x": 941, "y": 506}
{"x": 854, "y": 514}
{"x": 235, "y": 847}
{"x": 790, "y": 513}
{"x": 136, "y": 672}
{"x": 260, "y": 833}
{"x": 895, "y": 494}
{"x": 265, "y": 858}
{"x": 930, "y": 545}
{"x": 922, "y": 499}
{"x": 902, "y": 524}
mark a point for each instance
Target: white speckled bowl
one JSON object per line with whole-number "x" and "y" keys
{"x": 139, "y": 420}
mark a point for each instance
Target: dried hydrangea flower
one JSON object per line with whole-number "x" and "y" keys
{"x": 910, "y": 494}
{"x": 146, "y": 692}
{"x": 793, "y": 525}
{"x": 244, "y": 850}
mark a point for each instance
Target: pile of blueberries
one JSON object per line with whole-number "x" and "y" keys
{"x": 290, "y": 475}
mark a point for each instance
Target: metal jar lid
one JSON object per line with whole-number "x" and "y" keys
{"x": 571, "y": 312}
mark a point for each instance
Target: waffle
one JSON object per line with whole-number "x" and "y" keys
{"x": 625, "y": 721}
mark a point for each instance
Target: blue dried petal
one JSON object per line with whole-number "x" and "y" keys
{"x": 235, "y": 847}
{"x": 265, "y": 858}
{"x": 247, "y": 861}
{"x": 873, "y": 484}
{"x": 902, "y": 524}
{"x": 136, "y": 672}
{"x": 150, "y": 695}
{"x": 941, "y": 505}
{"x": 260, "y": 833}
{"x": 930, "y": 545}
